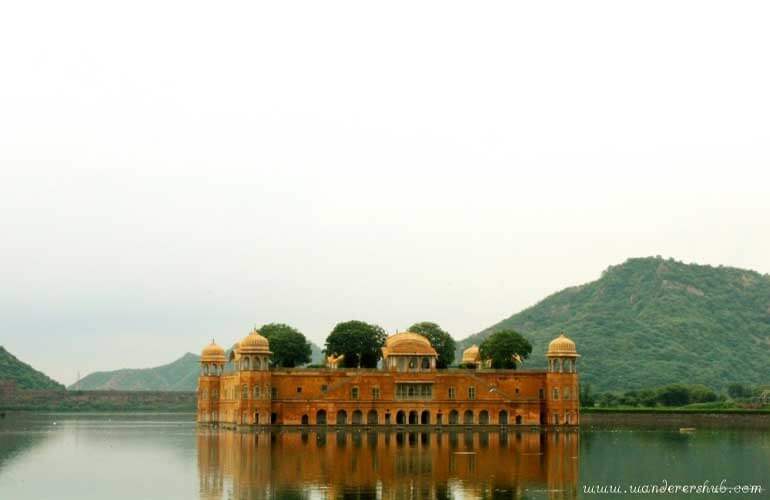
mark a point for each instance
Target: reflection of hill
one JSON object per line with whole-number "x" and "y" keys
{"x": 16, "y": 440}
{"x": 13, "y": 445}
{"x": 390, "y": 464}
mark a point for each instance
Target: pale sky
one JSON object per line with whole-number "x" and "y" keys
{"x": 176, "y": 171}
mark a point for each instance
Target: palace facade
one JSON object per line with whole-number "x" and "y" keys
{"x": 408, "y": 389}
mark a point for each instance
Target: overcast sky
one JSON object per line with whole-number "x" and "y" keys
{"x": 177, "y": 171}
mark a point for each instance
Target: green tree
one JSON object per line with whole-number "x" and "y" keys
{"x": 674, "y": 395}
{"x": 607, "y": 399}
{"x": 648, "y": 397}
{"x": 701, "y": 394}
{"x": 629, "y": 398}
{"x": 360, "y": 342}
{"x": 586, "y": 396}
{"x": 290, "y": 348}
{"x": 502, "y": 346}
{"x": 439, "y": 339}
{"x": 738, "y": 391}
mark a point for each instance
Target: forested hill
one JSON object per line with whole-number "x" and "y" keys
{"x": 24, "y": 375}
{"x": 650, "y": 322}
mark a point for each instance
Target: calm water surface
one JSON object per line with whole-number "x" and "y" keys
{"x": 145, "y": 456}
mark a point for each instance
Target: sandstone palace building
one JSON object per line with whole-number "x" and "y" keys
{"x": 407, "y": 390}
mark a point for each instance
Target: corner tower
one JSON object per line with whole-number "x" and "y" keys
{"x": 253, "y": 391}
{"x": 212, "y": 365}
{"x": 562, "y": 389}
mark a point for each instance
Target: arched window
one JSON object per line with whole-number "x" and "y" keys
{"x": 371, "y": 417}
{"x": 305, "y": 420}
{"x": 245, "y": 392}
{"x": 400, "y": 417}
{"x": 342, "y": 417}
{"x": 413, "y": 418}
{"x": 320, "y": 417}
{"x": 425, "y": 417}
{"x": 518, "y": 419}
{"x": 555, "y": 393}
{"x": 256, "y": 392}
{"x": 502, "y": 417}
{"x": 468, "y": 417}
{"x": 484, "y": 417}
{"x": 454, "y": 417}
{"x": 358, "y": 417}
{"x": 257, "y": 364}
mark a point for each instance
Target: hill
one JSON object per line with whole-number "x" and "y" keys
{"x": 649, "y": 322}
{"x": 316, "y": 355}
{"x": 180, "y": 375}
{"x": 24, "y": 375}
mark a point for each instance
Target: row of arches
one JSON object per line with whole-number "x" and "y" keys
{"x": 562, "y": 365}
{"x": 212, "y": 369}
{"x": 411, "y": 417}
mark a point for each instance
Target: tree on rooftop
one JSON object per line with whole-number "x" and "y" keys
{"x": 289, "y": 347}
{"x": 359, "y": 342}
{"x": 502, "y": 346}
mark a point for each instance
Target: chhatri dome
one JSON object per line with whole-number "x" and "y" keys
{"x": 408, "y": 343}
{"x": 563, "y": 347}
{"x": 408, "y": 351}
{"x": 254, "y": 343}
{"x": 213, "y": 352}
{"x": 471, "y": 355}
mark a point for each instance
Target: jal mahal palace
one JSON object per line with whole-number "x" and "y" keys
{"x": 242, "y": 389}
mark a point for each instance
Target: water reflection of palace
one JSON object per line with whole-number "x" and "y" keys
{"x": 389, "y": 465}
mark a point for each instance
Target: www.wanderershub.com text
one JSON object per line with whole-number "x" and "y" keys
{"x": 723, "y": 487}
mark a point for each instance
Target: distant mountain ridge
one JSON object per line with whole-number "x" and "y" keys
{"x": 25, "y": 377}
{"x": 179, "y": 375}
{"x": 651, "y": 321}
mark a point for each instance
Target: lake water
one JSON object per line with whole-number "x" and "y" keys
{"x": 47, "y": 456}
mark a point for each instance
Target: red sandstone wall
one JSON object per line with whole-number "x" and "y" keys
{"x": 300, "y": 393}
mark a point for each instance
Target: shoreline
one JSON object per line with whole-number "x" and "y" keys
{"x": 673, "y": 419}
